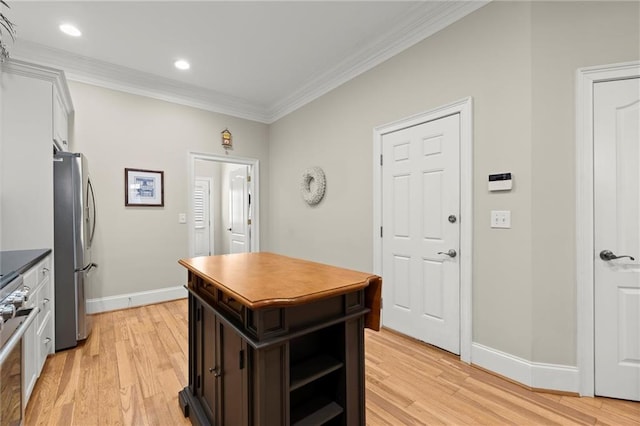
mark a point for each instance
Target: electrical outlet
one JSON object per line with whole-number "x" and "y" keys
{"x": 501, "y": 218}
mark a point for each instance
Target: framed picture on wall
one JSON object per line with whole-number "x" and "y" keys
{"x": 143, "y": 188}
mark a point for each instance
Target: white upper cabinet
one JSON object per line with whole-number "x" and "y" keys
{"x": 29, "y": 123}
{"x": 60, "y": 122}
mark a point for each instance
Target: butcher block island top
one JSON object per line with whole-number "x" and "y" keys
{"x": 259, "y": 280}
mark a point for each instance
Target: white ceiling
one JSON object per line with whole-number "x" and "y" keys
{"x": 257, "y": 60}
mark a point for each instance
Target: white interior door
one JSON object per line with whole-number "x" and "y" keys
{"x": 617, "y": 230}
{"x": 421, "y": 232}
{"x": 239, "y": 210}
{"x": 203, "y": 239}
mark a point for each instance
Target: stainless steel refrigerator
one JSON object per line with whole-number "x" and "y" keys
{"x": 74, "y": 227}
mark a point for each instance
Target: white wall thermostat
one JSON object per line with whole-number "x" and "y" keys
{"x": 500, "y": 182}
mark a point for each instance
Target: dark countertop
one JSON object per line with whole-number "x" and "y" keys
{"x": 16, "y": 262}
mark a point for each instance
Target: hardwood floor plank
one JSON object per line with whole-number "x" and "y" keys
{"x": 373, "y": 418}
{"x": 596, "y": 407}
{"x": 171, "y": 386}
{"x": 534, "y": 401}
{"x": 63, "y": 414}
{"x": 160, "y": 356}
{"x": 145, "y": 361}
{"x": 85, "y": 398}
{"x": 109, "y": 412}
{"x": 166, "y": 338}
{"x": 446, "y": 412}
{"x": 622, "y": 408}
{"x": 177, "y": 330}
{"x": 93, "y": 345}
{"x": 132, "y": 406}
{"x": 158, "y": 412}
{"x": 121, "y": 327}
{"x": 69, "y": 378}
{"x": 391, "y": 410}
{"x": 178, "y": 362}
{"x": 504, "y": 409}
{"x": 397, "y": 395}
{"x": 489, "y": 410}
{"x": 428, "y": 417}
{"x": 124, "y": 358}
{"x": 135, "y": 361}
{"x": 42, "y": 401}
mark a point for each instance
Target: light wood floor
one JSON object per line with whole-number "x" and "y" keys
{"x": 134, "y": 363}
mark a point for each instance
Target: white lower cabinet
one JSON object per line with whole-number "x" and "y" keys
{"x": 37, "y": 342}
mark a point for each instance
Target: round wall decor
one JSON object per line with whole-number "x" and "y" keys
{"x": 312, "y": 185}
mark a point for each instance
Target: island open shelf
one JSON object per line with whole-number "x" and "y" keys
{"x": 275, "y": 340}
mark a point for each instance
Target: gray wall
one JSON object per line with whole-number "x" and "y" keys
{"x": 565, "y": 36}
{"x": 518, "y": 62}
{"x": 138, "y": 248}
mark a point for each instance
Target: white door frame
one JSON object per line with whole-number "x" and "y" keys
{"x": 254, "y": 188}
{"x": 585, "y": 249}
{"x": 464, "y": 107}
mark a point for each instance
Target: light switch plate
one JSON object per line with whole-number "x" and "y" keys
{"x": 501, "y": 218}
{"x": 182, "y": 218}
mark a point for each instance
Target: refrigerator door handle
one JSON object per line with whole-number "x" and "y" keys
{"x": 87, "y": 268}
{"x": 93, "y": 202}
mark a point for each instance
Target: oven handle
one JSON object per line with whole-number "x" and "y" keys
{"x": 13, "y": 341}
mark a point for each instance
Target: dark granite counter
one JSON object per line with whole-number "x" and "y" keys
{"x": 16, "y": 262}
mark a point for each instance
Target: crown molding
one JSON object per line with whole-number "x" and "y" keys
{"x": 105, "y": 74}
{"x": 423, "y": 20}
{"x": 52, "y": 75}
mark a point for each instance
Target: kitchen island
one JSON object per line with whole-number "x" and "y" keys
{"x": 275, "y": 340}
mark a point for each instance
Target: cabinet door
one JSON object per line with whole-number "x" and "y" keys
{"x": 60, "y": 123}
{"x": 208, "y": 370}
{"x": 220, "y": 363}
{"x": 29, "y": 369}
{"x": 44, "y": 343}
{"x": 26, "y": 169}
{"x": 30, "y": 348}
{"x": 233, "y": 361}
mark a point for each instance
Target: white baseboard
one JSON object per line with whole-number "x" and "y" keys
{"x": 122, "y": 301}
{"x": 537, "y": 375}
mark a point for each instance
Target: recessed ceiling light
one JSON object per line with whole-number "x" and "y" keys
{"x": 181, "y": 64}
{"x": 70, "y": 30}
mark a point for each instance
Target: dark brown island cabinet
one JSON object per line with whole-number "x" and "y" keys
{"x": 275, "y": 340}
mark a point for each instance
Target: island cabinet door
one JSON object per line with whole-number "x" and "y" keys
{"x": 205, "y": 361}
{"x": 232, "y": 361}
{"x": 219, "y": 368}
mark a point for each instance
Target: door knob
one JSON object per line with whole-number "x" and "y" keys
{"x": 609, "y": 255}
{"x": 450, "y": 253}
{"x": 216, "y": 372}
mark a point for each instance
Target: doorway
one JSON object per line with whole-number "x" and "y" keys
{"x": 607, "y": 216}
{"x": 394, "y": 145}
{"x": 223, "y": 204}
